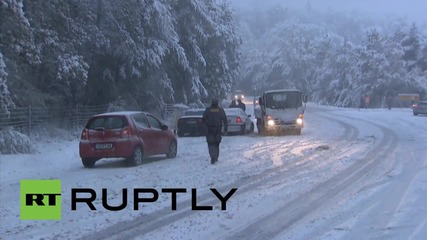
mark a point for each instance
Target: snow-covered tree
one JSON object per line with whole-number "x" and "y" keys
{"x": 5, "y": 100}
{"x": 208, "y": 35}
{"x": 422, "y": 61}
{"x": 140, "y": 36}
{"x": 336, "y": 81}
{"x": 411, "y": 45}
{"x": 61, "y": 35}
{"x": 330, "y": 56}
{"x": 17, "y": 46}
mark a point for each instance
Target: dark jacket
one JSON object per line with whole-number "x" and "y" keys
{"x": 233, "y": 104}
{"x": 241, "y": 105}
{"x": 214, "y": 117}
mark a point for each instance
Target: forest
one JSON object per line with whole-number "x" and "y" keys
{"x": 335, "y": 57}
{"x": 147, "y": 53}
{"x": 141, "y": 53}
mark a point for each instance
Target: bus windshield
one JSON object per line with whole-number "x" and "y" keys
{"x": 283, "y": 100}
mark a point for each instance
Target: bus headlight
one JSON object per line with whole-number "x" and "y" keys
{"x": 270, "y": 123}
{"x": 299, "y": 121}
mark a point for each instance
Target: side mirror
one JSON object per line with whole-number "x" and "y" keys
{"x": 165, "y": 127}
{"x": 249, "y": 116}
{"x": 260, "y": 101}
{"x": 304, "y": 98}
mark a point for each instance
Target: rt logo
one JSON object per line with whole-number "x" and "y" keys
{"x": 40, "y": 199}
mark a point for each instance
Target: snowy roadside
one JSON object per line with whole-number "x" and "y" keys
{"x": 241, "y": 156}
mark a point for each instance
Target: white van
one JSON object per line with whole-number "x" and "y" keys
{"x": 281, "y": 111}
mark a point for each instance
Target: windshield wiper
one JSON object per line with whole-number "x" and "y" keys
{"x": 100, "y": 129}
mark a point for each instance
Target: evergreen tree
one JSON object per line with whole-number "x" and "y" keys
{"x": 306, "y": 51}
{"x": 411, "y": 45}
{"x": 5, "y": 100}
{"x": 19, "y": 52}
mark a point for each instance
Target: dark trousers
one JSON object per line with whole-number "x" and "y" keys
{"x": 213, "y": 138}
{"x": 213, "y": 151}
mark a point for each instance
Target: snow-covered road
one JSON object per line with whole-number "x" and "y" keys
{"x": 350, "y": 175}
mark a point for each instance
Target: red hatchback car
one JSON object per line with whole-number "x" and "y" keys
{"x": 130, "y": 135}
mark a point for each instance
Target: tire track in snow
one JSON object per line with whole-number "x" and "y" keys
{"x": 291, "y": 212}
{"x": 388, "y": 202}
{"x": 153, "y": 221}
{"x": 332, "y": 220}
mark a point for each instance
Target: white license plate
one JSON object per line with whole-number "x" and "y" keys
{"x": 104, "y": 146}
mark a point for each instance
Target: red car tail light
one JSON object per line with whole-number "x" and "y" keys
{"x": 85, "y": 134}
{"x": 126, "y": 132}
{"x": 238, "y": 120}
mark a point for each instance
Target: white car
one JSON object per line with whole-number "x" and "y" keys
{"x": 238, "y": 121}
{"x": 419, "y": 108}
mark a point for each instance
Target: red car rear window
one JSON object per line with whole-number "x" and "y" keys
{"x": 107, "y": 122}
{"x": 194, "y": 113}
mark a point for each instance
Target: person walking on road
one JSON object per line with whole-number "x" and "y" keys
{"x": 215, "y": 119}
{"x": 367, "y": 101}
{"x": 362, "y": 103}
{"x": 389, "y": 99}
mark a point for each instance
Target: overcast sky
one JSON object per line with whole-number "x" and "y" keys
{"x": 412, "y": 10}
